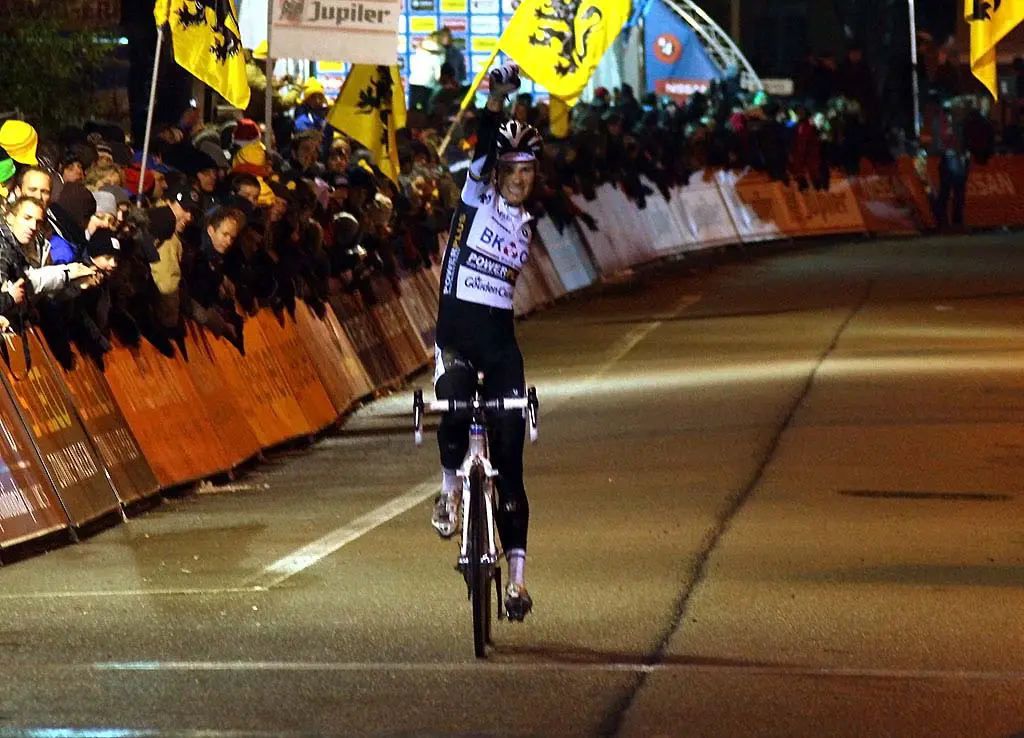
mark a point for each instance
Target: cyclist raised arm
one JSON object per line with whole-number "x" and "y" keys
{"x": 488, "y": 245}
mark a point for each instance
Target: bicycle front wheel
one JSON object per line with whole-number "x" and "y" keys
{"x": 479, "y": 572}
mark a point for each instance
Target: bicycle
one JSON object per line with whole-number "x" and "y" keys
{"x": 479, "y": 556}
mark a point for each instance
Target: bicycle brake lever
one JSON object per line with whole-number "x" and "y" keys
{"x": 532, "y": 405}
{"x": 417, "y": 411}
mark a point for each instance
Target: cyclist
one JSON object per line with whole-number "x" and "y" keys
{"x": 487, "y": 248}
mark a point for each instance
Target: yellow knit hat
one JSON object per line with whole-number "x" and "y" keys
{"x": 312, "y": 86}
{"x": 251, "y": 158}
{"x": 20, "y": 139}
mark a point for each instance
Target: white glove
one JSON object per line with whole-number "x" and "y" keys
{"x": 504, "y": 80}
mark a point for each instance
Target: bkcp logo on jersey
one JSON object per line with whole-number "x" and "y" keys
{"x": 667, "y": 48}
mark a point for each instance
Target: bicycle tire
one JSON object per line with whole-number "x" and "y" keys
{"x": 479, "y": 574}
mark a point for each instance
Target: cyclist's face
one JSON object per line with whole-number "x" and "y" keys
{"x": 515, "y": 180}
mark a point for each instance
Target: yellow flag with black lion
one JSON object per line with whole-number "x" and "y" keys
{"x": 559, "y": 43}
{"x": 208, "y": 43}
{"x": 990, "y": 21}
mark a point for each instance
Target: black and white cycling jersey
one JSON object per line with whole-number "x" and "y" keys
{"x": 489, "y": 241}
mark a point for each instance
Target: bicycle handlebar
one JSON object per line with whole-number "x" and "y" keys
{"x": 497, "y": 404}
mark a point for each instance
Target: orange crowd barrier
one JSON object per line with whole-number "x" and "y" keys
{"x": 29, "y": 505}
{"x": 69, "y": 458}
{"x": 367, "y": 338}
{"x": 236, "y": 437}
{"x": 258, "y": 386}
{"x": 419, "y": 298}
{"x": 166, "y": 413}
{"x": 334, "y": 358}
{"x": 994, "y": 191}
{"x": 399, "y": 335}
{"x": 127, "y": 469}
{"x": 297, "y": 370}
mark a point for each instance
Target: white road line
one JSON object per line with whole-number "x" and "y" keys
{"x": 170, "y": 591}
{"x": 323, "y": 547}
{"x": 499, "y": 664}
{"x": 142, "y": 733}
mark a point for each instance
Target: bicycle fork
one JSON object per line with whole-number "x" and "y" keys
{"x": 478, "y": 457}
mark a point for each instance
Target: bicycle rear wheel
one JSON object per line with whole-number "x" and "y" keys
{"x": 479, "y": 573}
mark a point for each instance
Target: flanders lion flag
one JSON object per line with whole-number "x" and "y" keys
{"x": 370, "y": 108}
{"x": 990, "y": 21}
{"x": 558, "y": 43}
{"x": 208, "y": 44}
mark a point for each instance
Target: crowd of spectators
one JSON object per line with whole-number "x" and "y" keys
{"x": 219, "y": 227}
{"x": 95, "y": 246}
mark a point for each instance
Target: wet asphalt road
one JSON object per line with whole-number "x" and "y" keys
{"x": 778, "y": 497}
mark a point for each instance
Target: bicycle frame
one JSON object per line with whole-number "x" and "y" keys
{"x": 478, "y": 551}
{"x": 478, "y": 455}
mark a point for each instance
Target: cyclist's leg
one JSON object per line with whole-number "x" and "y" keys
{"x": 506, "y": 378}
{"x": 454, "y": 378}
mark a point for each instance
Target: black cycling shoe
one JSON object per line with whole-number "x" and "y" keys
{"x": 517, "y": 602}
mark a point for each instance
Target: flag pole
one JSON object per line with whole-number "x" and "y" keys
{"x": 915, "y": 87}
{"x": 467, "y": 100}
{"x": 149, "y": 112}
{"x": 268, "y": 103}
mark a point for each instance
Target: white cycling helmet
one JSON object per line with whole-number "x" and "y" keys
{"x": 518, "y": 142}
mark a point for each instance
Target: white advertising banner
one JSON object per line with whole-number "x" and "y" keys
{"x": 355, "y": 31}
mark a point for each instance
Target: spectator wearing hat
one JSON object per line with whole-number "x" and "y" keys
{"x": 104, "y": 153}
{"x": 103, "y": 252}
{"x": 311, "y": 113}
{"x": 20, "y": 140}
{"x": 185, "y": 203}
{"x": 121, "y": 197}
{"x": 72, "y": 165}
{"x": 204, "y": 174}
{"x": 362, "y": 189}
{"x": 251, "y": 159}
{"x": 246, "y": 132}
{"x": 133, "y": 186}
{"x": 106, "y": 215}
{"x": 255, "y": 74}
{"x": 211, "y": 147}
{"x": 70, "y": 217}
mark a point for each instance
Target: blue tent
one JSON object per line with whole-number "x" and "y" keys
{"x": 675, "y": 61}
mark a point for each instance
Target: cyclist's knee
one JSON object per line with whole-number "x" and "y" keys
{"x": 452, "y": 441}
{"x": 454, "y": 378}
